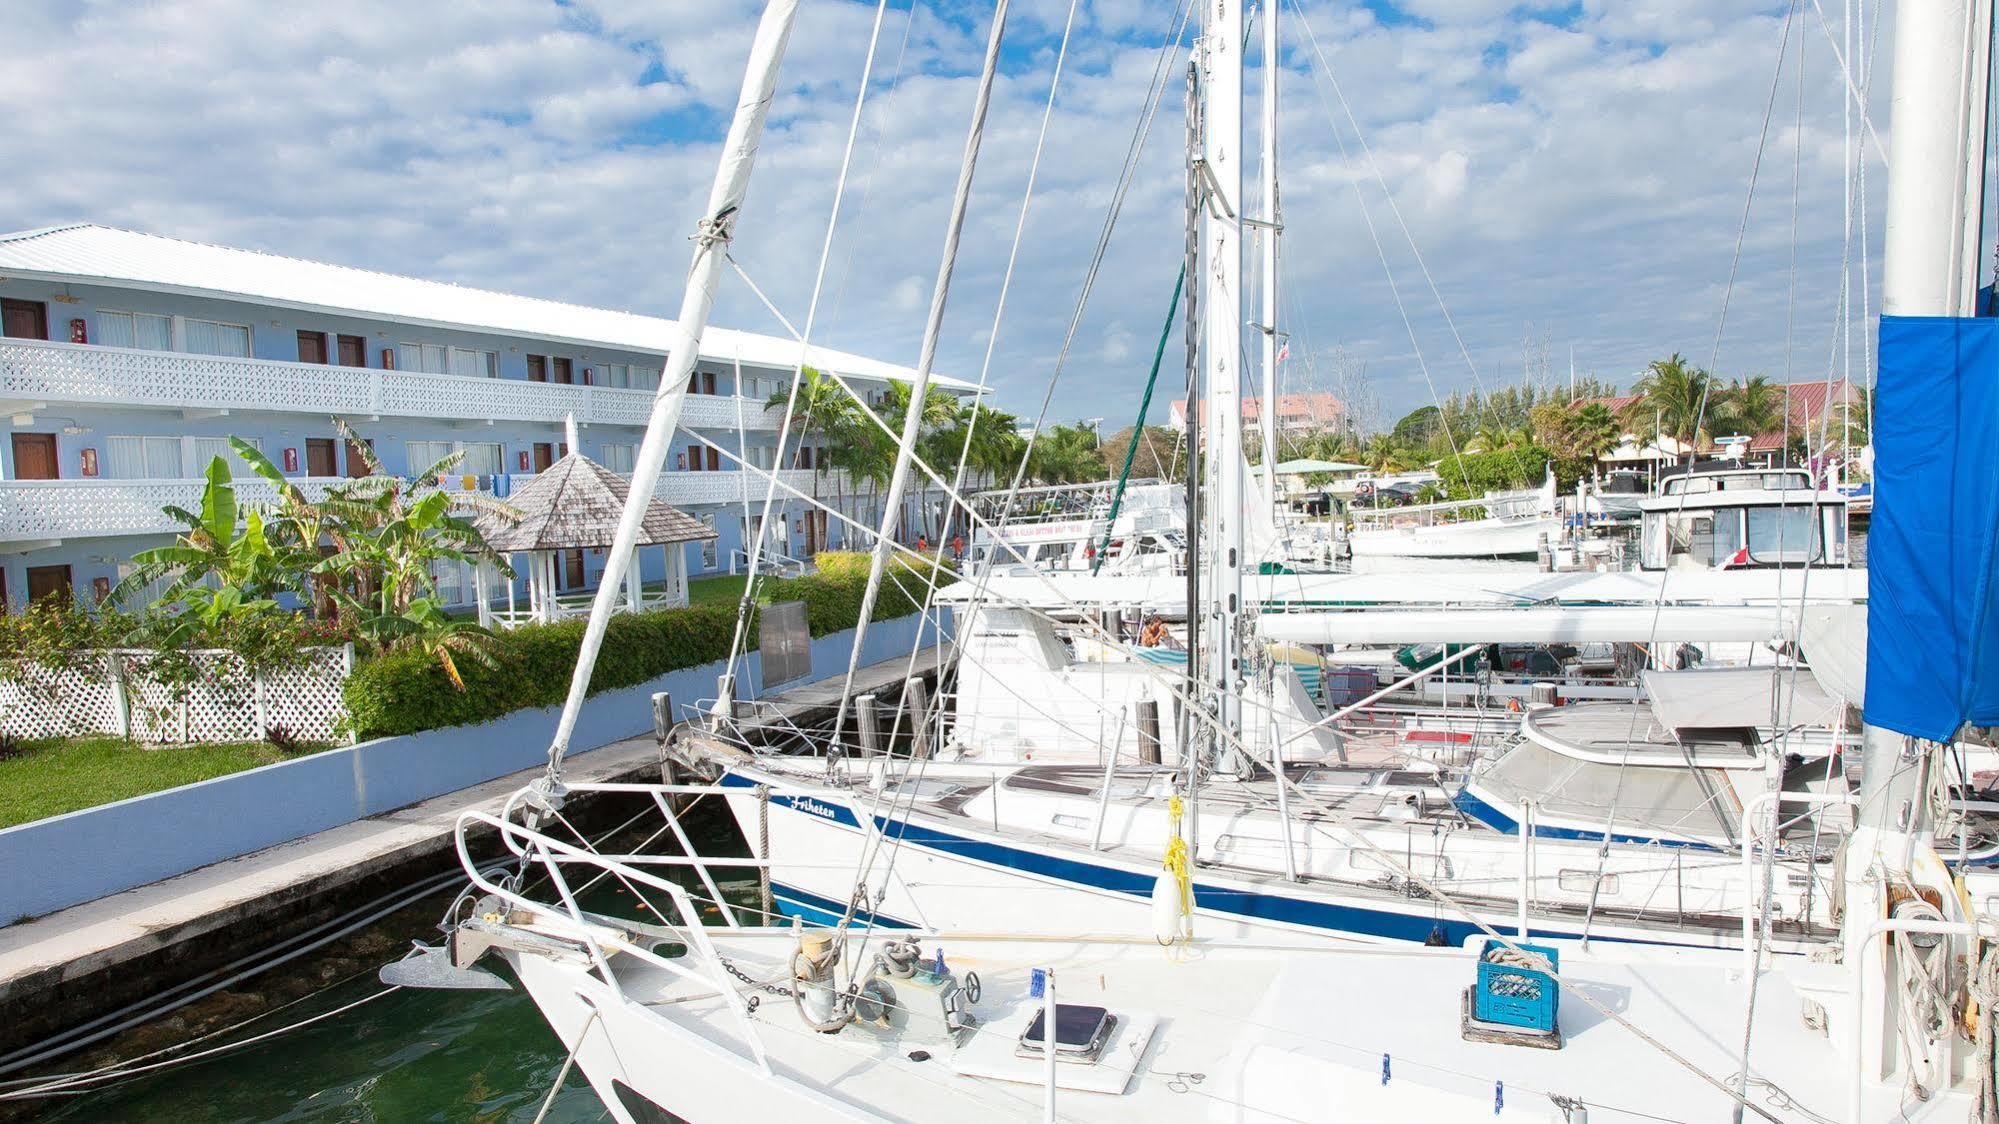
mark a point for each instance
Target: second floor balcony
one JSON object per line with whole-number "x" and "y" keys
{"x": 39, "y": 513}
{"x": 35, "y": 374}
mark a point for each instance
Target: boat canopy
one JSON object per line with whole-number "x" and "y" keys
{"x": 1739, "y": 697}
{"x": 1574, "y": 797}
{"x": 1619, "y": 734}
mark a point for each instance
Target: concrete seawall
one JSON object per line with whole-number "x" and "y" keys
{"x": 68, "y": 859}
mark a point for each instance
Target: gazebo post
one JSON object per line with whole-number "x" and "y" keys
{"x": 634, "y": 585}
{"x": 511, "y": 619}
{"x": 479, "y": 594}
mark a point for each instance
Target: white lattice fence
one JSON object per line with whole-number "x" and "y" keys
{"x": 115, "y": 692}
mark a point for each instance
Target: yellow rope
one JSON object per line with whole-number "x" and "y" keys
{"x": 1180, "y": 862}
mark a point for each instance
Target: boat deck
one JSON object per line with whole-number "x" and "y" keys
{"x": 1266, "y": 1033}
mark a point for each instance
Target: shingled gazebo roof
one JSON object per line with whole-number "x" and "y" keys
{"x": 576, "y": 502}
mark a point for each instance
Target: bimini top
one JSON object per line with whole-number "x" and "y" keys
{"x": 88, "y": 253}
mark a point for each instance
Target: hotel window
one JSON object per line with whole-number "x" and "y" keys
{"x": 142, "y": 458}
{"x": 645, "y": 378}
{"x": 423, "y": 454}
{"x": 709, "y": 555}
{"x": 203, "y": 450}
{"x": 482, "y": 458}
{"x": 135, "y": 329}
{"x": 450, "y": 579}
{"x": 142, "y": 595}
{"x": 762, "y": 387}
{"x": 629, "y": 376}
{"x": 620, "y": 458}
{"x": 423, "y": 358}
{"x": 474, "y": 364}
{"x": 210, "y": 337}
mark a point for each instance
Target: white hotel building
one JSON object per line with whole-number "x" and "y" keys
{"x": 129, "y": 359}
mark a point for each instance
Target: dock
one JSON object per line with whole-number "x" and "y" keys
{"x": 68, "y": 967}
{"x": 811, "y": 704}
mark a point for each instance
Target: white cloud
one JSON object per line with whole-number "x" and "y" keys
{"x": 1585, "y": 175}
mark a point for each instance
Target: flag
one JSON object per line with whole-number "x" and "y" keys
{"x": 1284, "y": 352}
{"x": 1739, "y": 558}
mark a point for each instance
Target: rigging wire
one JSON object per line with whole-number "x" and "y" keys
{"x": 743, "y": 608}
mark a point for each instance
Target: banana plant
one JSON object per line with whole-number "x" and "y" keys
{"x": 222, "y": 562}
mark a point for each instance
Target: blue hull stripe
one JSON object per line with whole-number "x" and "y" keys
{"x": 1248, "y": 905}
{"x": 815, "y": 910}
{"x": 1308, "y": 913}
{"x": 1499, "y": 821}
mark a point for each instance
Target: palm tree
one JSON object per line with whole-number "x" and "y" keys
{"x": 1752, "y": 407}
{"x": 822, "y": 408}
{"x": 1592, "y": 430}
{"x": 1066, "y": 454}
{"x": 1674, "y": 396}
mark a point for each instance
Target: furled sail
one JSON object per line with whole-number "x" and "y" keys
{"x": 1932, "y": 635}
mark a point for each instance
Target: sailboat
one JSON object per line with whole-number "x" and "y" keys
{"x": 670, "y": 1017}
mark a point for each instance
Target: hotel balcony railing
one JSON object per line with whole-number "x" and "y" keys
{"x": 33, "y": 372}
{"x": 54, "y": 510}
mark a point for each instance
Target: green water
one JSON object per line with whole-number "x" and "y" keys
{"x": 408, "y": 1056}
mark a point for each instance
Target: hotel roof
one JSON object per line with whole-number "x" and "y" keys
{"x": 85, "y": 252}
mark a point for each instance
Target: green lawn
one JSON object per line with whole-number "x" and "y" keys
{"x": 722, "y": 588}
{"x": 60, "y": 775}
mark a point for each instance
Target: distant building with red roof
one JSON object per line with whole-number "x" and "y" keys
{"x": 1296, "y": 413}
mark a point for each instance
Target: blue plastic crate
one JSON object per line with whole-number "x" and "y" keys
{"x": 1509, "y": 995}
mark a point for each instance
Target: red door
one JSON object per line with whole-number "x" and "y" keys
{"x": 563, "y": 372}
{"x": 572, "y": 569}
{"x": 537, "y": 368}
{"x": 353, "y": 351}
{"x": 319, "y": 454}
{"x": 35, "y": 456}
{"x": 544, "y": 455}
{"x": 48, "y": 581}
{"x": 312, "y": 347}
{"x": 24, "y": 320}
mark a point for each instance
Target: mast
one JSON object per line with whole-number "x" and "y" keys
{"x": 1220, "y": 57}
{"x": 711, "y": 242}
{"x": 1273, "y": 226}
{"x": 1929, "y": 263}
{"x": 1191, "y": 732}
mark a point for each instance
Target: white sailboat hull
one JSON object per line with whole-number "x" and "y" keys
{"x": 951, "y": 872}
{"x": 1474, "y": 538}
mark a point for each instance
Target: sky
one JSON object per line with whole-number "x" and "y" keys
{"x": 1472, "y": 190}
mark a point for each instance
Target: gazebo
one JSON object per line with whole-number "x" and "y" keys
{"x": 574, "y": 504}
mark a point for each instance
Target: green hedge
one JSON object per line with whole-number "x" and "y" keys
{"x": 406, "y": 691}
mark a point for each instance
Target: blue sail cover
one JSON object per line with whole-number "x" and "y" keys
{"x": 1932, "y": 635}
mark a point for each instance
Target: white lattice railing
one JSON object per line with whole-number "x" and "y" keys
{"x": 113, "y": 693}
{"x": 87, "y": 374}
{"x": 38, "y": 510}
{"x": 63, "y": 509}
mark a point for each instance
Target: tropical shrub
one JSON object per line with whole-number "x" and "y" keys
{"x": 1474, "y": 474}
{"x": 404, "y": 691}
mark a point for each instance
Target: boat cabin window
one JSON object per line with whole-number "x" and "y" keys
{"x": 1776, "y": 480}
{"x": 1785, "y": 535}
{"x": 1702, "y": 539}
